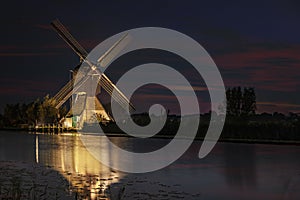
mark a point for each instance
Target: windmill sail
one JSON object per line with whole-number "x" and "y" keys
{"x": 65, "y": 93}
{"x": 113, "y": 51}
{"x": 69, "y": 39}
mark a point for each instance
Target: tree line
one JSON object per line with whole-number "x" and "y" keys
{"x": 242, "y": 122}
{"x": 36, "y": 112}
{"x": 241, "y": 102}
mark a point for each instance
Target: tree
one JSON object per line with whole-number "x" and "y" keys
{"x": 248, "y": 102}
{"x": 234, "y": 99}
{"x": 1, "y": 121}
{"x": 240, "y": 102}
{"x": 33, "y": 112}
{"x": 12, "y": 115}
{"x": 47, "y": 112}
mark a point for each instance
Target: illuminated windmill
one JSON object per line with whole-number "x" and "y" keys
{"x": 86, "y": 106}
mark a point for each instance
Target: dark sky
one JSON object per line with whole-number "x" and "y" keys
{"x": 254, "y": 43}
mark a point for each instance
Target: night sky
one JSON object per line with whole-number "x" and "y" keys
{"x": 254, "y": 43}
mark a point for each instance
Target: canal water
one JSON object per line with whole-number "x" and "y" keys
{"x": 230, "y": 171}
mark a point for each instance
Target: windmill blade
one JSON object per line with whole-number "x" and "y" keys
{"x": 69, "y": 39}
{"x": 115, "y": 93}
{"x": 105, "y": 82}
{"x": 69, "y": 86}
{"x": 113, "y": 51}
{"x": 66, "y": 92}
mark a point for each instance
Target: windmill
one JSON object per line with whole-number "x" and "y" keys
{"x": 87, "y": 107}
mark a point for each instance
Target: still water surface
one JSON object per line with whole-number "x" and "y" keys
{"x": 230, "y": 171}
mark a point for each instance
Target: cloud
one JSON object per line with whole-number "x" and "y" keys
{"x": 259, "y": 55}
{"x": 9, "y": 47}
{"x": 156, "y": 87}
{"x": 23, "y": 51}
{"x": 283, "y": 107}
{"x": 28, "y": 54}
{"x": 44, "y": 26}
{"x": 267, "y": 69}
{"x": 23, "y": 87}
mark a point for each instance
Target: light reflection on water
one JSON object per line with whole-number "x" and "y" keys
{"x": 66, "y": 153}
{"x": 230, "y": 171}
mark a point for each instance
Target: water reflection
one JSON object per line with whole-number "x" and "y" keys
{"x": 17, "y": 146}
{"x": 240, "y": 165}
{"x": 230, "y": 171}
{"x": 87, "y": 176}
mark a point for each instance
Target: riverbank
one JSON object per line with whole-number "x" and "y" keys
{"x": 229, "y": 140}
{"x": 42, "y": 129}
{"x": 20, "y": 180}
{"x": 160, "y": 136}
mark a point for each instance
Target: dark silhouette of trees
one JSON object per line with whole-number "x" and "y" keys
{"x": 234, "y": 100}
{"x": 12, "y": 114}
{"x": 32, "y": 112}
{"x": 1, "y": 121}
{"x": 248, "y": 102}
{"x": 241, "y": 102}
{"x": 47, "y": 112}
{"x": 36, "y": 112}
